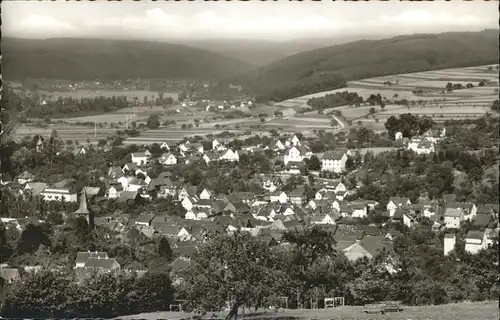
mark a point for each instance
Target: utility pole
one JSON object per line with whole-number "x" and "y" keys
{"x": 95, "y": 129}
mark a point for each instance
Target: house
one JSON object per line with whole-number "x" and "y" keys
{"x": 279, "y": 196}
{"x": 323, "y": 219}
{"x": 368, "y": 247}
{"x": 482, "y": 221}
{"x": 168, "y": 159}
{"x": 452, "y": 218}
{"x": 359, "y": 210}
{"x": 82, "y": 257}
{"x": 35, "y": 188}
{"x": 25, "y": 177}
{"x": 277, "y": 145}
{"x": 165, "y": 146}
{"x": 130, "y": 168}
{"x": 210, "y": 156}
{"x": 102, "y": 265}
{"x": 403, "y": 215}
{"x": 230, "y": 155}
{"x": 129, "y": 197}
{"x": 91, "y": 192}
{"x": 188, "y": 202}
{"x": 114, "y": 190}
{"x": 333, "y": 161}
{"x": 272, "y": 184}
{"x": 293, "y": 155}
{"x": 396, "y": 202}
{"x": 475, "y": 241}
{"x": 58, "y": 194}
{"x": 297, "y": 196}
{"x": 449, "y": 243}
{"x": 421, "y": 146}
{"x": 295, "y": 141}
{"x": 429, "y": 208}
{"x": 9, "y": 275}
{"x": 205, "y": 194}
{"x": 294, "y": 167}
{"x": 197, "y": 214}
{"x": 80, "y": 151}
{"x": 186, "y": 192}
{"x": 144, "y": 220}
{"x": 115, "y": 172}
{"x": 141, "y": 158}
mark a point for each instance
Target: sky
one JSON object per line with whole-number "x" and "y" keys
{"x": 281, "y": 20}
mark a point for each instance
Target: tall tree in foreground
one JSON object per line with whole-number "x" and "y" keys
{"x": 310, "y": 259}
{"x": 236, "y": 267}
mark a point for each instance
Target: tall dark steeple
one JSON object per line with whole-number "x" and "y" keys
{"x": 84, "y": 211}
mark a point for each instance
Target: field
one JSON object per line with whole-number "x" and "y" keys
{"x": 130, "y": 94}
{"x": 459, "y": 311}
{"x": 435, "y": 101}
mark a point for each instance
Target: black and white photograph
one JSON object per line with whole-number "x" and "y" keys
{"x": 251, "y": 160}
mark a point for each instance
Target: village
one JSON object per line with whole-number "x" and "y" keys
{"x": 283, "y": 203}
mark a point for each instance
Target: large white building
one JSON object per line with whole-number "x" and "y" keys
{"x": 333, "y": 161}
{"x": 58, "y": 194}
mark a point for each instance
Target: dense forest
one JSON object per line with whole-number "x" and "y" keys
{"x": 93, "y": 59}
{"x": 365, "y": 59}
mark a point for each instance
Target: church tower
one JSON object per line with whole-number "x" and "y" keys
{"x": 84, "y": 211}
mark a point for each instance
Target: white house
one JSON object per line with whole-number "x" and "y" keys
{"x": 218, "y": 146}
{"x": 277, "y": 145}
{"x": 58, "y": 194}
{"x": 421, "y": 146}
{"x": 452, "y": 218}
{"x": 80, "y": 151}
{"x": 475, "y": 241}
{"x": 396, "y": 202}
{"x": 449, "y": 243}
{"x": 323, "y": 219}
{"x": 230, "y": 155}
{"x": 25, "y": 177}
{"x": 333, "y": 161}
{"x": 188, "y": 203}
{"x": 279, "y": 196}
{"x": 295, "y": 141}
{"x": 168, "y": 159}
{"x": 205, "y": 195}
{"x": 141, "y": 158}
{"x": 359, "y": 210}
{"x": 293, "y": 155}
{"x": 165, "y": 146}
{"x": 114, "y": 191}
{"x": 269, "y": 185}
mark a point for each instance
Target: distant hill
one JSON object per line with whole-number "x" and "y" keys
{"x": 330, "y": 67}
{"x": 88, "y": 59}
{"x": 262, "y": 52}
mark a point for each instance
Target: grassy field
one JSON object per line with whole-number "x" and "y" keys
{"x": 464, "y": 103}
{"x": 459, "y": 311}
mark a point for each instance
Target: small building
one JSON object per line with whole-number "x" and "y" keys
{"x": 452, "y": 218}
{"x": 449, "y": 243}
{"x": 168, "y": 159}
{"x": 475, "y": 241}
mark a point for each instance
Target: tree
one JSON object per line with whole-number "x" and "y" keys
{"x": 235, "y": 266}
{"x": 153, "y": 121}
{"x": 313, "y": 163}
{"x": 102, "y": 142}
{"x": 372, "y": 110}
{"x": 309, "y": 258}
{"x": 164, "y": 249}
{"x": 197, "y": 122}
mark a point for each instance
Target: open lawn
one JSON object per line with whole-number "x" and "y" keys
{"x": 459, "y": 311}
